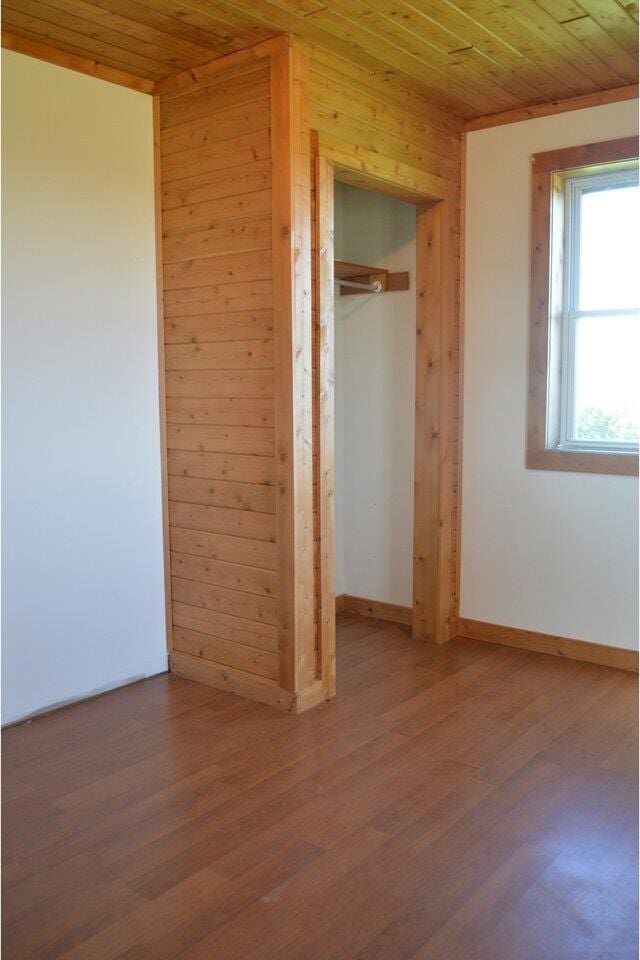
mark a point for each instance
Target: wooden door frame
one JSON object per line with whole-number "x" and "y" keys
{"x": 435, "y": 490}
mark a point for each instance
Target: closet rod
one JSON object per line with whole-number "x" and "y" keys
{"x": 375, "y": 287}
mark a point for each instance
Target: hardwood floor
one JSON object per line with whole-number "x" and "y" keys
{"x": 464, "y": 802}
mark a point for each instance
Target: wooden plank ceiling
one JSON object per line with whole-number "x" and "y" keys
{"x": 475, "y": 57}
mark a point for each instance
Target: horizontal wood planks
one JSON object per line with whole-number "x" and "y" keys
{"x": 378, "y": 135}
{"x": 466, "y": 801}
{"x": 215, "y": 193}
{"x": 236, "y": 267}
{"x": 474, "y": 57}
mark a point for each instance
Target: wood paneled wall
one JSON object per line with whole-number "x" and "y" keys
{"x": 219, "y": 358}
{"x": 239, "y": 167}
{"x": 233, "y": 356}
{"x": 373, "y": 130}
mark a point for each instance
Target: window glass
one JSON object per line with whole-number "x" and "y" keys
{"x": 606, "y": 389}
{"x": 608, "y": 248}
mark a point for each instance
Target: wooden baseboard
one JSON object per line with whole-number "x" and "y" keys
{"x": 246, "y": 685}
{"x": 548, "y": 643}
{"x": 377, "y": 609}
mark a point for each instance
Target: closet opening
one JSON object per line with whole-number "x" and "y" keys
{"x": 384, "y": 285}
{"x": 374, "y": 402}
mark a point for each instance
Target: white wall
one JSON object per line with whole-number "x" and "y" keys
{"x": 545, "y": 551}
{"x": 375, "y": 376}
{"x": 82, "y": 546}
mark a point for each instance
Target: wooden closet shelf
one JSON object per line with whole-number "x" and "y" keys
{"x": 359, "y": 273}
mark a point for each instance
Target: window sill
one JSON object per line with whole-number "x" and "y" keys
{"x": 575, "y": 461}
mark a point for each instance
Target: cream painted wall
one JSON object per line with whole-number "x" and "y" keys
{"x": 552, "y": 552}
{"x": 82, "y": 538}
{"x": 375, "y": 360}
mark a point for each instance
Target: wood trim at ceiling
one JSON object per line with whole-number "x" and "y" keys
{"x": 549, "y": 643}
{"x": 61, "y": 58}
{"x": 598, "y": 99}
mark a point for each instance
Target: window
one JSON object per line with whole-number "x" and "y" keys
{"x": 585, "y": 298}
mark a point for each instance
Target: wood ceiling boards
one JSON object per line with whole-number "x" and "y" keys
{"x": 475, "y": 57}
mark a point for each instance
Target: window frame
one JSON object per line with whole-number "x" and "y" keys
{"x": 547, "y": 448}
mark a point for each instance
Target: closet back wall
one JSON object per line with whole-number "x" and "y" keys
{"x": 375, "y": 403}
{"x": 83, "y": 601}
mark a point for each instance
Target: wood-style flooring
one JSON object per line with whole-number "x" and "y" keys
{"x": 467, "y": 802}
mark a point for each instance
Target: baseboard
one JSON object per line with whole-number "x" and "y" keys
{"x": 246, "y": 685}
{"x": 377, "y": 609}
{"x": 548, "y": 643}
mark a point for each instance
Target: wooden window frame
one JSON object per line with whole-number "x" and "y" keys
{"x": 547, "y": 230}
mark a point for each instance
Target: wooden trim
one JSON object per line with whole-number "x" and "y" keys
{"x": 574, "y": 461}
{"x": 389, "y": 282}
{"x": 545, "y": 304}
{"x": 247, "y": 685}
{"x": 458, "y": 435}
{"x": 596, "y": 99}
{"x": 433, "y": 483}
{"x": 291, "y": 225}
{"x": 236, "y": 681}
{"x": 584, "y": 155}
{"x": 548, "y": 643}
{"x": 272, "y": 47}
{"x": 162, "y": 393}
{"x": 61, "y": 58}
{"x": 324, "y": 293}
{"x": 540, "y": 304}
{"x": 310, "y": 697}
{"x": 434, "y": 494}
{"x": 425, "y": 512}
{"x": 377, "y": 609}
{"x": 371, "y": 171}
